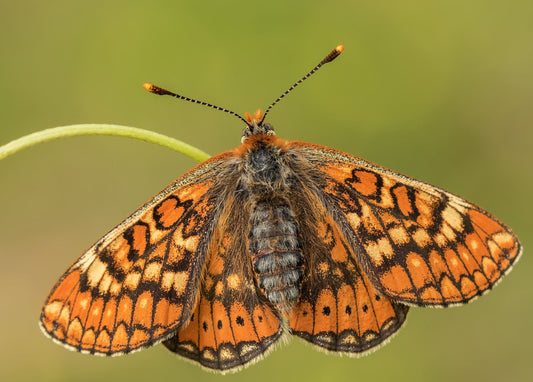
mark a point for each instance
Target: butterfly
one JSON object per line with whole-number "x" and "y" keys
{"x": 271, "y": 239}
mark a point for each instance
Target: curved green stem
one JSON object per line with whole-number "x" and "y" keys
{"x": 102, "y": 129}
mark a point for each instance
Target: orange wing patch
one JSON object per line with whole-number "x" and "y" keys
{"x": 139, "y": 283}
{"x": 231, "y": 326}
{"x": 339, "y": 309}
{"x": 418, "y": 244}
{"x": 221, "y": 338}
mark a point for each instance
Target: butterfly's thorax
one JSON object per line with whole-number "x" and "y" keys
{"x": 273, "y": 232}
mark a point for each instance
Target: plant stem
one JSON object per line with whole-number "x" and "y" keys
{"x": 102, "y": 129}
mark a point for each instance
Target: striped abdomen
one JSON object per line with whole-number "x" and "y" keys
{"x": 276, "y": 255}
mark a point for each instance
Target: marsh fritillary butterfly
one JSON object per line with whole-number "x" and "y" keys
{"x": 276, "y": 237}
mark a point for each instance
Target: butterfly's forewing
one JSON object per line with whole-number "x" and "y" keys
{"x": 139, "y": 283}
{"x": 339, "y": 309}
{"x": 417, "y": 243}
{"x": 233, "y": 324}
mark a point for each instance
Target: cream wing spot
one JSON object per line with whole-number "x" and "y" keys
{"x": 53, "y": 309}
{"x": 448, "y": 232}
{"x": 421, "y": 238}
{"x": 379, "y": 249}
{"x": 385, "y": 247}
{"x": 493, "y": 248}
{"x": 167, "y": 280}
{"x": 180, "y": 282}
{"x": 208, "y": 354}
{"x": 132, "y": 280}
{"x": 399, "y": 235}
{"x": 234, "y": 281}
{"x": 95, "y": 272}
{"x": 226, "y": 354}
{"x": 191, "y": 243}
{"x": 453, "y": 218}
{"x": 373, "y": 251}
{"x": 504, "y": 239}
{"x": 354, "y": 220}
{"x": 180, "y": 246}
{"x": 441, "y": 241}
{"x": 75, "y": 330}
{"x": 152, "y": 271}
{"x": 115, "y": 288}
{"x": 248, "y": 348}
{"x": 188, "y": 347}
{"x": 105, "y": 283}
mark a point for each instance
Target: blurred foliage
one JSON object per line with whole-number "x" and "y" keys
{"x": 441, "y": 91}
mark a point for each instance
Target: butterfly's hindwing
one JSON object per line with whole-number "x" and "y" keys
{"x": 417, "y": 243}
{"x": 139, "y": 283}
{"x": 338, "y": 309}
{"x": 233, "y": 323}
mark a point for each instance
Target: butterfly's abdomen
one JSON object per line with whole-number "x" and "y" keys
{"x": 276, "y": 255}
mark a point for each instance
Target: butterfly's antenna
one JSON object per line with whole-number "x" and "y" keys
{"x": 330, "y": 57}
{"x": 160, "y": 91}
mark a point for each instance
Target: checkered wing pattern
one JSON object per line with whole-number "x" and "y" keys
{"x": 339, "y": 309}
{"x": 139, "y": 283}
{"x": 417, "y": 243}
{"x": 233, "y": 324}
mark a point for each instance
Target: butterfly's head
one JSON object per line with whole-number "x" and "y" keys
{"x": 255, "y": 125}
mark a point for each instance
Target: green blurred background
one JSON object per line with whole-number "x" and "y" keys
{"x": 441, "y": 91}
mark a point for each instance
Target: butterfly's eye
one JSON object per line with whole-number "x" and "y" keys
{"x": 268, "y": 129}
{"x": 246, "y": 133}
